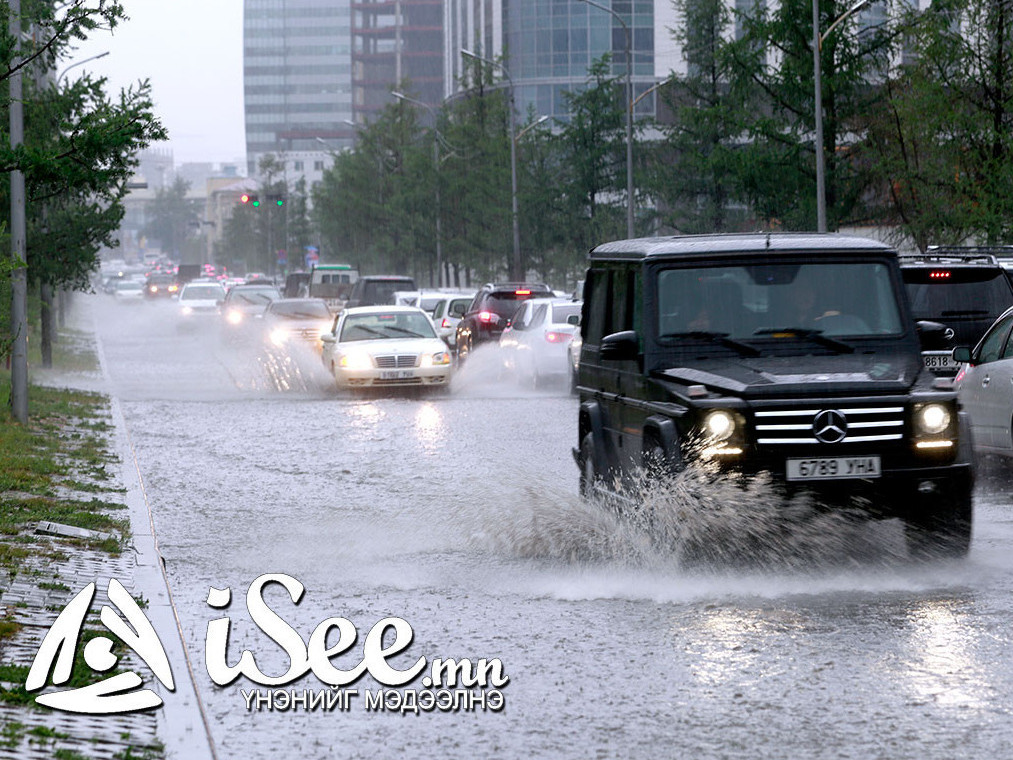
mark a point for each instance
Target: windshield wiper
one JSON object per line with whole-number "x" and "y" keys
{"x": 815, "y": 335}
{"x": 404, "y": 331}
{"x": 721, "y": 338}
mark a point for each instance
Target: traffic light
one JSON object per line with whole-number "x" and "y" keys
{"x": 250, "y": 199}
{"x": 276, "y": 198}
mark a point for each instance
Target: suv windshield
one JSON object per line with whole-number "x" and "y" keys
{"x": 760, "y": 301}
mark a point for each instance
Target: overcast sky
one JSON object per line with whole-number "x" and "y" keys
{"x": 192, "y": 52}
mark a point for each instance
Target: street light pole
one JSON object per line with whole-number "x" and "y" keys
{"x": 629, "y": 115}
{"x": 19, "y": 277}
{"x": 821, "y": 193}
{"x": 79, "y": 63}
{"x": 517, "y": 270}
{"x": 436, "y": 176}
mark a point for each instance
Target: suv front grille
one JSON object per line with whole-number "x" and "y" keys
{"x": 862, "y": 424}
{"x": 398, "y": 361}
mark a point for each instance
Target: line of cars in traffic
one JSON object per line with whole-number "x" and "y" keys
{"x": 389, "y": 333}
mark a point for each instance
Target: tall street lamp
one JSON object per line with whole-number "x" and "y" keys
{"x": 436, "y": 170}
{"x": 821, "y": 192}
{"x": 517, "y": 270}
{"x": 79, "y": 63}
{"x": 629, "y": 115}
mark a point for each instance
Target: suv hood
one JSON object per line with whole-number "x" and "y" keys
{"x": 749, "y": 377}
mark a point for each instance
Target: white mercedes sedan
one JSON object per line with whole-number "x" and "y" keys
{"x": 386, "y": 347}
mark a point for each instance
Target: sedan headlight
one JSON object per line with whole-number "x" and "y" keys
{"x": 279, "y": 336}
{"x": 234, "y": 317}
{"x": 356, "y": 360}
{"x": 187, "y": 311}
{"x": 439, "y": 359}
{"x": 932, "y": 419}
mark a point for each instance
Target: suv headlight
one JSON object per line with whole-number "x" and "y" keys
{"x": 932, "y": 419}
{"x": 719, "y": 425}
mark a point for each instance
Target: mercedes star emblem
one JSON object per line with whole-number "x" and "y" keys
{"x": 830, "y": 426}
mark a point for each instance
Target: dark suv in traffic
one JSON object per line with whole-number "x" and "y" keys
{"x": 491, "y": 310}
{"x": 961, "y": 291}
{"x": 792, "y": 354}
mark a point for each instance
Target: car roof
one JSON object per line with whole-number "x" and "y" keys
{"x": 738, "y": 243}
{"x": 952, "y": 257}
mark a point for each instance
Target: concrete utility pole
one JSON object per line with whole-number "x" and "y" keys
{"x": 19, "y": 278}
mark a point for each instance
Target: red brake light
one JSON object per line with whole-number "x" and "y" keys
{"x": 522, "y": 292}
{"x": 557, "y": 337}
{"x": 445, "y": 323}
{"x": 485, "y": 316}
{"x": 939, "y": 275}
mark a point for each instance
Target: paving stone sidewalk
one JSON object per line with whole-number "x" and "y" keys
{"x": 62, "y": 561}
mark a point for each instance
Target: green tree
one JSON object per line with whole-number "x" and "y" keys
{"x": 593, "y": 157}
{"x": 79, "y": 148}
{"x": 172, "y": 217}
{"x": 942, "y": 145}
{"x": 691, "y": 172}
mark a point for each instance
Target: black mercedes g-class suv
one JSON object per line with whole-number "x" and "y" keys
{"x": 790, "y": 353}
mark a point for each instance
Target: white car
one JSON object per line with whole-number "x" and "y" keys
{"x": 534, "y": 344}
{"x": 128, "y": 290}
{"x": 385, "y": 347}
{"x": 447, "y": 312}
{"x": 199, "y": 299}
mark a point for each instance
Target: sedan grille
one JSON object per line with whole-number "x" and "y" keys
{"x": 830, "y": 424}
{"x": 398, "y": 361}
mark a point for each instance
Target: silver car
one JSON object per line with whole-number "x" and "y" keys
{"x": 985, "y": 386}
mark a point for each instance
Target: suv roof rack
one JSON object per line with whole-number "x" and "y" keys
{"x": 980, "y": 255}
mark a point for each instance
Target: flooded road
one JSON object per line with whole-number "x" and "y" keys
{"x": 460, "y": 515}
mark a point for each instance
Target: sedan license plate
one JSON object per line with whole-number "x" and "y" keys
{"x": 397, "y": 374}
{"x": 833, "y": 468}
{"x": 936, "y": 360}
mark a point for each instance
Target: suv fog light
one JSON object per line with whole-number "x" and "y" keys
{"x": 719, "y": 425}
{"x": 933, "y": 419}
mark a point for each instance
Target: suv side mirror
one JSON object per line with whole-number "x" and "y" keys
{"x": 931, "y": 334}
{"x": 620, "y": 346}
{"x": 962, "y": 354}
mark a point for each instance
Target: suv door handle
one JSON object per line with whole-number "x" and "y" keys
{"x": 984, "y": 381}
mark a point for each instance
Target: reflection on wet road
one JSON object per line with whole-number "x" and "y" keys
{"x": 460, "y": 514}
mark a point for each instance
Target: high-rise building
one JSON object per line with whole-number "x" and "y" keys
{"x": 548, "y": 47}
{"x": 396, "y": 44}
{"x": 297, "y": 77}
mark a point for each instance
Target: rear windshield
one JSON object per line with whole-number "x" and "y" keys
{"x": 938, "y": 293}
{"x": 506, "y": 304}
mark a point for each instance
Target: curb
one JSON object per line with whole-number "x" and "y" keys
{"x": 182, "y": 723}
